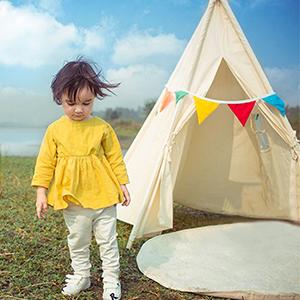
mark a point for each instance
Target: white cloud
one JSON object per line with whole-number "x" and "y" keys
{"x": 20, "y": 106}
{"x": 286, "y": 82}
{"x": 139, "y": 83}
{"x": 54, "y": 7}
{"x": 142, "y": 47}
{"x": 92, "y": 40}
{"x": 35, "y": 38}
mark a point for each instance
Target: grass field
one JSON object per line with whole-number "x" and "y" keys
{"x": 34, "y": 256}
{"x": 126, "y": 131}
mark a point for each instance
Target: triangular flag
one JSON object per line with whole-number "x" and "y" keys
{"x": 242, "y": 110}
{"x": 204, "y": 108}
{"x": 179, "y": 95}
{"x": 166, "y": 100}
{"x": 277, "y": 102}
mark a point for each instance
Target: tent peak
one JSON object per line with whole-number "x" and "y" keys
{"x": 213, "y": 1}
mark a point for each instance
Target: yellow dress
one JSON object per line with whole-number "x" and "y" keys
{"x": 80, "y": 162}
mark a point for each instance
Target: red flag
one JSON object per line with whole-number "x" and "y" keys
{"x": 242, "y": 110}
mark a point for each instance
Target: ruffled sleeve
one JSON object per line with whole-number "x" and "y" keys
{"x": 46, "y": 160}
{"x": 113, "y": 153}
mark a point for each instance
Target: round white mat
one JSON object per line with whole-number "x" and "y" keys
{"x": 251, "y": 259}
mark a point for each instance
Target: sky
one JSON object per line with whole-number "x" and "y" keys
{"x": 135, "y": 42}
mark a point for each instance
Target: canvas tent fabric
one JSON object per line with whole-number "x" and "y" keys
{"x": 218, "y": 166}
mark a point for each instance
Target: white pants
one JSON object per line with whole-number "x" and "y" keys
{"x": 81, "y": 222}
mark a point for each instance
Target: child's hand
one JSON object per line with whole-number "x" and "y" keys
{"x": 126, "y": 195}
{"x": 41, "y": 203}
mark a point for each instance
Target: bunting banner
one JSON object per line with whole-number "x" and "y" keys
{"x": 204, "y": 108}
{"x": 241, "y": 108}
{"x": 274, "y": 100}
{"x": 168, "y": 96}
{"x": 242, "y": 111}
{"x": 180, "y": 95}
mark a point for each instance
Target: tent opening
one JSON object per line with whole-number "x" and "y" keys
{"x": 219, "y": 169}
{"x": 225, "y": 86}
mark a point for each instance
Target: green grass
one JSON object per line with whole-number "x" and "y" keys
{"x": 126, "y": 131}
{"x": 34, "y": 256}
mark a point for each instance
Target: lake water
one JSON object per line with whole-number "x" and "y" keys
{"x": 22, "y": 141}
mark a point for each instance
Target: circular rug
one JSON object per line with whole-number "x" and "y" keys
{"x": 249, "y": 260}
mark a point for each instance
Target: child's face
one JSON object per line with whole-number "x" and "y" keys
{"x": 81, "y": 110}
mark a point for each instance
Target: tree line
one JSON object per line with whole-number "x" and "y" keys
{"x": 141, "y": 113}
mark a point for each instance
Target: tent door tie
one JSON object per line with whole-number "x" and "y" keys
{"x": 170, "y": 146}
{"x": 294, "y": 153}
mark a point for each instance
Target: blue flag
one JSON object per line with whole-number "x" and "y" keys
{"x": 277, "y": 102}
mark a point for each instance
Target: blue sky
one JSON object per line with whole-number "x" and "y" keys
{"x": 40, "y": 35}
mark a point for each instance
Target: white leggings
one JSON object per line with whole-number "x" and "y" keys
{"x": 81, "y": 222}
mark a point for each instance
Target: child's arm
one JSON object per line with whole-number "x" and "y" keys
{"x": 127, "y": 199}
{"x": 113, "y": 153}
{"x": 44, "y": 169}
{"x": 41, "y": 202}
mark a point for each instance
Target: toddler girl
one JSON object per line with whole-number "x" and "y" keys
{"x": 80, "y": 170}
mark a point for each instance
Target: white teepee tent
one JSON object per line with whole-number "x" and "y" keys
{"x": 219, "y": 165}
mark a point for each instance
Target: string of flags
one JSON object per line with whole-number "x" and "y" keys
{"x": 205, "y": 106}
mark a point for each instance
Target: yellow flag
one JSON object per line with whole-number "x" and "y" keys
{"x": 204, "y": 108}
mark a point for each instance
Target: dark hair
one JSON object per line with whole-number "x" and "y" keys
{"x": 75, "y": 75}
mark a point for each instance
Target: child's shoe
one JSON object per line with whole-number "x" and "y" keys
{"x": 75, "y": 284}
{"x": 111, "y": 291}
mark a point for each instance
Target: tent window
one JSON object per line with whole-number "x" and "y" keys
{"x": 261, "y": 134}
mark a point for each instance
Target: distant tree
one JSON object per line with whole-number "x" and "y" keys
{"x": 293, "y": 114}
{"x": 115, "y": 115}
{"x": 111, "y": 114}
{"x": 108, "y": 113}
{"x": 149, "y": 106}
